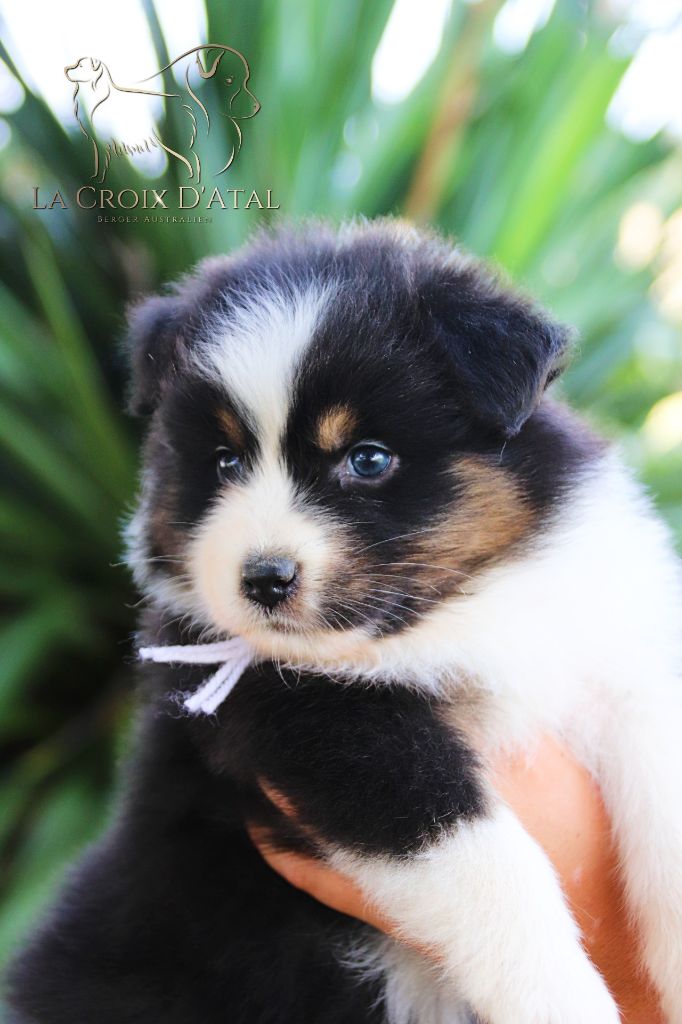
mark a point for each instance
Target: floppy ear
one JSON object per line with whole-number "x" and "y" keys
{"x": 213, "y": 59}
{"x": 164, "y": 328}
{"x": 503, "y": 351}
{"x": 155, "y": 347}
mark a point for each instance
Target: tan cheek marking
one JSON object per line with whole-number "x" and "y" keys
{"x": 166, "y": 539}
{"x": 232, "y": 427}
{"x": 335, "y": 428}
{"x": 489, "y": 516}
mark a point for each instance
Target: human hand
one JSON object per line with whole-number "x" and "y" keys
{"x": 559, "y": 804}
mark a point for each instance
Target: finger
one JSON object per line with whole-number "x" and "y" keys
{"x": 287, "y": 808}
{"x": 327, "y": 886}
{"x": 281, "y": 802}
{"x": 314, "y": 877}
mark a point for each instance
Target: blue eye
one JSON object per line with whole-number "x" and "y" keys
{"x": 228, "y": 464}
{"x": 369, "y": 460}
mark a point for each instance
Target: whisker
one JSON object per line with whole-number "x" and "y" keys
{"x": 394, "y": 604}
{"x": 398, "y": 576}
{"x": 399, "y": 593}
{"x": 337, "y": 614}
{"x": 364, "y": 619}
{"x": 399, "y": 536}
{"x": 152, "y": 559}
{"x": 429, "y": 565}
{"x": 376, "y": 607}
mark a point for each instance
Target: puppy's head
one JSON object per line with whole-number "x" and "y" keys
{"x": 341, "y": 436}
{"x": 87, "y": 69}
{"x": 232, "y": 71}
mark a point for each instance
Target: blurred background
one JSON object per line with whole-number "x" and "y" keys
{"x": 544, "y": 135}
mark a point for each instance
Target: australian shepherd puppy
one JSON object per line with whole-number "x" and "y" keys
{"x": 352, "y": 465}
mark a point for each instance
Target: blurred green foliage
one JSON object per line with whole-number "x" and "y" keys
{"x": 511, "y": 154}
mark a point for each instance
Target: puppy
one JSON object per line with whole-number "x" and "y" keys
{"x": 352, "y": 465}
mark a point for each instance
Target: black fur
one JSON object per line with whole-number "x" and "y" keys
{"x": 155, "y": 325}
{"x": 173, "y": 916}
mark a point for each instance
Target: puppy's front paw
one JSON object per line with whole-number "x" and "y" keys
{"x": 580, "y": 997}
{"x": 567, "y": 991}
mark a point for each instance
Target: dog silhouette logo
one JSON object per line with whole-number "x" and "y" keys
{"x": 96, "y": 93}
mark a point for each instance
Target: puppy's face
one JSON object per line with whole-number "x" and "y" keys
{"x": 235, "y": 74}
{"x": 328, "y": 457}
{"x": 230, "y": 68}
{"x": 84, "y": 70}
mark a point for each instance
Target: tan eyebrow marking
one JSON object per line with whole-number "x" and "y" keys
{"x": 335, "y": 428}
{"x": 232, "y": 427}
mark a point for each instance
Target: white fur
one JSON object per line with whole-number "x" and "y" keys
{"x": 265, "y": 515}
{"x": 487, "y": 901}
{"x": 411, "y": 986}
{"x": 254, "y": 353}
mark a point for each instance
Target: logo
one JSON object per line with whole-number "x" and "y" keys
{"x": 107, "y": 112}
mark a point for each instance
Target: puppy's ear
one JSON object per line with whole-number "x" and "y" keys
{"x": 503, "y": 351}
{"x": 155, "y": 346}
{"x": 164, "y": 329}
{"x": 212, "y": 58}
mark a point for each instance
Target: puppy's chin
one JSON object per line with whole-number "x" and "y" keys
{"x": 296, "y": 639}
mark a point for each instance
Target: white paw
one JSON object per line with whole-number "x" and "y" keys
{"x": 568, "y": 993}
{"x": 583, "y": 1000}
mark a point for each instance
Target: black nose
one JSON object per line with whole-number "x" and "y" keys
{"x": 267, "y": 581}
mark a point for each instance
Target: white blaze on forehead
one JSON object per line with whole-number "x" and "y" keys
{"x": 256, "y": 349}
{"x": 263, "y": 515}
{"x": 254, "y": 353}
